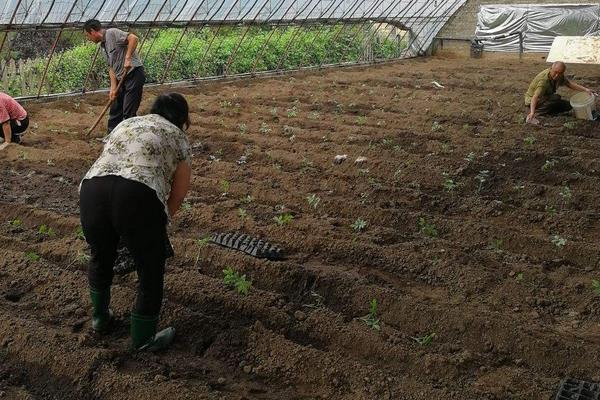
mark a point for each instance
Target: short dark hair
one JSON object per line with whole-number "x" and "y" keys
{"x": 92, "y": 25}
{"x": 173, "y": 107}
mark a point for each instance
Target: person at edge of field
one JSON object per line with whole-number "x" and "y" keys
{"x": 119, "y": 49}
{"x": 128, "y": 195}
{"x": 541, "y": 96}
{"x": 14, "y": 121}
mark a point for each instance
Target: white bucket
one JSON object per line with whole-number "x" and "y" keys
{"x": 583, "y": 105}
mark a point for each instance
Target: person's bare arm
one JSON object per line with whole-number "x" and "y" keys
{"x": 7, "y": 131}
{"x": 179, "y": 187}
{"x": 575, "y": 86}
{"x": 113, "y": 84}
{"x": 533, "y": 106}
{"x": 132, "y": 42}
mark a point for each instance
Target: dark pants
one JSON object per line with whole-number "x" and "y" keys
{"x": 116, "y": 209}
{"x": 553, "y": 105}
{"x": 128, "y": 99}
{"x": 18, "y": 129}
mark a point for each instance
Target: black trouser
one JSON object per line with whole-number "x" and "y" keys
{"x": 18, "y": 129}
{"x": 128, "y": 99}
{"x": 553, "y": 105}
{"x": 116, "y": 209}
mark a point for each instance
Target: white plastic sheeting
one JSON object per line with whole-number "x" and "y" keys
{"x": 498, "y": 26}
{"x": 424, "y": 18}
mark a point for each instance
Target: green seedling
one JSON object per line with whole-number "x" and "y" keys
{"x": 283, "y": 219}
{"x": 424, "y": 340}
{"x": 225, "y": 103}
{"x": 530, "y": 140}
{"x": 519, "y": 277}
{"x": 49, "y": 163}
{"x": 274, "y": 111}
{"x": 497, "y": 244}
{"x": 427, "y": 229}
{"x": 82, "y": 258}
{"x": 565, "y": 193}
{"x": 364, "y": 198}
{"x": 234, "y": 279}
{"x": 247, "y": 199}
{"x": 32, "y": 256}
{"x": 314, "y": 115}
{"x": 482, "y": 177}
{"x": 363, "y": 171}
{"x": 470, "y": 157}
{"x": 436, "y": 127}
{"x": 15, "y": 223}
{"x": 596, "y": 286}
{"x": 79, "y": 233}
{"x": 242, "y": 213}
{"x": 313, "y": 200}
{"x": 371, "y": 320}
{"x": 361, "y": 120}
{"x": 186, "y": 206}
{"x": 264, "y": 129}
{"x": 558, "y": 241}
{"x": 202, "y": 242}
{"x": 45, "y": 230}
{"x": 450, "y": 185}
{"x": 316, "y": 301}
{"x": 550, "y": 210}
{"x": 242, "y": 128}
{"x": 292, "y": 112}
{"x": 548, "y": 165}
{"x": 225, "y": 185}
{"x": 570, "y": 125}
{"x": 359, "y": 225}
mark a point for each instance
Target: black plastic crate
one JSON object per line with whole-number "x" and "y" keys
{"x": 250, "y": 245}
{"x": 575, "y": 389}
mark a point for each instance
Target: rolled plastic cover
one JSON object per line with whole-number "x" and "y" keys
{"x": 499, "y": 26}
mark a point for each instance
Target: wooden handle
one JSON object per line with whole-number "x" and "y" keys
{"x": 108, "y": 104}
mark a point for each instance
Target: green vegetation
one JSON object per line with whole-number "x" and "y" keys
{"x": 313, "y": 200}
{"x": 283, "y": 219}
{"x": 371, "y": 320}
{"x": 359, "y": 225}
{"x": 32, "y": 256}
{"x": 426, "y": 228}
{"x": 424, "y": 340}
{"x": 45, "y": 230}
{"x": 234, "y": 279}
{"x": 596, "y": 286}
{"x": 15, "y": 223}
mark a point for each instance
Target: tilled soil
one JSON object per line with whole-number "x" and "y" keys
{"x": 479, "y": 232}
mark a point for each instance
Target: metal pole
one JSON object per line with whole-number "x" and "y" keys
{"x": 234, "y": 52}
{"x": 286, "y": 50}
{"x": 141, "y": 46}
{"x": 12, "y": 18}
{"x": 161, "y": 29}
{"x": 336, "y": 21}
{"x": 53, "y": 45}
{"x": 213, "y": 38}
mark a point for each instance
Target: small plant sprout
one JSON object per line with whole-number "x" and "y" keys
{"x": 274, "y": 111}
{"x": 427, "y": 229}
{"x": 548, "y": 165}
{"x": 186, "y": 206}
{"x": 596, "y": 286}
{"x": 82, "y": 258}
{"x": 361, "y": 120}
{"x": 283, "y": 219}
{"x": 234, "y": 279}
{"x": 359, "y": 225}
{"x": 292, "y": 112}
{"x": 32, "y": 256}
{"x": 314, "y": 115}
{"x": 49, "y": 163}
{"x": 242, "y": 213}
{"x": 565, "y": 193}
{"x": 470, "y": 157}
{"x": 424, "y": 340}
{"x": 371, "y": 320}
{"x": 15, "y": 223}
{"x": 530, "y": 140}
{"x": 450, "y": 185}
{"x": 313, "y": 200}
{"x": 497, "y": 244}
{"x": 79, "y": 233}
{"x": 264, "y": 129}
{"x": 482, "y": 177}
{"x": 45, "y": 230}
{"x": 519, "y": 277}
{"x": 225, "y": 186}
{"x": 242, "y": 128}
{"x": 436, "y": 127}
{"x": 558, "y": 241}
{"x": 551, "y": 210}
{"x": 247, "y": 199}
{"x": 364, "y": 198}
{"x": 570, "y": 125}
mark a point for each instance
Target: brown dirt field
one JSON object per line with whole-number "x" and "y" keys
{"x": 512, "y": 308}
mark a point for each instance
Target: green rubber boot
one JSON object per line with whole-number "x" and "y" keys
{"x": 101, "y": 314}
{"x": 144, "y": 335}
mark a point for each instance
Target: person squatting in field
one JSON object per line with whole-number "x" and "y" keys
{"x": 14, "y": 120}
{"x": 128, "y": 195}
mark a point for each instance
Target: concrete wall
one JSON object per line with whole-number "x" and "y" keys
{"x": 462, "y": 24}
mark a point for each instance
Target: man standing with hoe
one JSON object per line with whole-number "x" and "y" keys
{"x": 119, "y": 48}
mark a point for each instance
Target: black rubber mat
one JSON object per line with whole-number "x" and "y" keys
{"x": 253, "y": 246}
{"x": 124, "y": 263}
{"x": 575, "y": 389}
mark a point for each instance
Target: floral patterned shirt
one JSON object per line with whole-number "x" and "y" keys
{"x": 144, "y": 149}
